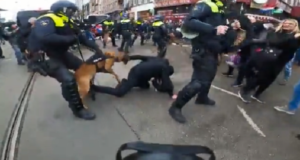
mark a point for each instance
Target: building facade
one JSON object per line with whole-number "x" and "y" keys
{"x": 110, "y": 7}
{"x": 173, "y": 9}
{"x": 95, "y": 6}
{"x": 142, "y": 8}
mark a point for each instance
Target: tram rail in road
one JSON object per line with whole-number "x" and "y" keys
{"x": 11, "y": 139}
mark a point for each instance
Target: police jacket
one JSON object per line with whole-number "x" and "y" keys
{"x": 126, "y": 25}
{"x": 108, "y": 25}
{"x": 138, "y": 26}
{"x": 159, "y": 29}
{"x": 203, "y": 19}
{"x": 54, "y": 34}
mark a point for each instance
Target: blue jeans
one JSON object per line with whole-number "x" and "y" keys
{"x": 297, "y": 56}
{"x": 19, "y": 55}
{"x": 295, "y": 101}
{"x": 288, "y": 69}
{"x": 89, "y": 35}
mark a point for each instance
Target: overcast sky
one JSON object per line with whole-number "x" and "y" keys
{"x": 13, "y": 6}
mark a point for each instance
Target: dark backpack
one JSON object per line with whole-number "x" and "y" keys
{"x": 150, "y": 151}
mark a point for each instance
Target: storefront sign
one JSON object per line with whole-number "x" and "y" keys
{"x": 184, "y": 1}
{"x": 165, "y": 3}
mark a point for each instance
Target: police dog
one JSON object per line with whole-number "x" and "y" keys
{"x": 95, "y": 64}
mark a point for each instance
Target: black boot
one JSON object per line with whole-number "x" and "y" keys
{"x": 71, "y": 94}
{"x": 175, "y": 112}
{"x": 82, "y": 113}
{"x": 205, "y": 101}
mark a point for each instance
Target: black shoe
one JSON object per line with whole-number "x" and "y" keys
{"x": 176, "y": 114}
{"x": 205, "y": 101}
{"x": 254, "y": 97}
{"x": 245, "y": 97}
{"x": 84, "y": 114}
{"x": 115, "y": 45}
{"x": 120, "y": 49}
{"x": 2, "y": 57}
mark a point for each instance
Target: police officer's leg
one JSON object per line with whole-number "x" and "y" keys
{"x": 134, "y": 38}
{"x": 122, "y": 42}
{"x": 142, "y": 38}
{"x": 69, "y": 88}
{"x": 113, "y": 40}
{"x": 73, "y": 62}
{"x": 207, "y": 76}
{"x": 127, "y": 43}
{"x": 161, "y": 47}
{"x": 186, "y": 94}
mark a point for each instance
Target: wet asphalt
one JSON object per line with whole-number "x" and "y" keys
{"x": 50, "y": 131}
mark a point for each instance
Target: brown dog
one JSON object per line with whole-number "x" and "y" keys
{"x": 96, "y": 64}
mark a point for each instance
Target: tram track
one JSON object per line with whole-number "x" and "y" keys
{"x": 11, "y": 139}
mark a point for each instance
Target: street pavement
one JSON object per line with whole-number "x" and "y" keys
{"x": 235, "y": 131}
{"x": 12, "y": 81}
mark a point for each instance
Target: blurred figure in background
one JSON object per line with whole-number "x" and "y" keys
{"x": 12, "y": 34}
{"x": 1, "y": 42}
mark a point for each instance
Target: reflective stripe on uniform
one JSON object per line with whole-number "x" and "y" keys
{"x": 212, "y": 5}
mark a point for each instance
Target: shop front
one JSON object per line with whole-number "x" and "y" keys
{"x": 143, "y": 11}
{"x": 174, "y": 10}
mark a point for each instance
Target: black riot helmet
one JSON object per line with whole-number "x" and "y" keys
{"x": 64, "y": 7}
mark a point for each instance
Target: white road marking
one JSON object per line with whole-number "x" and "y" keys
{"x": 251, "y": 122}
{"x": 225, "y": 91}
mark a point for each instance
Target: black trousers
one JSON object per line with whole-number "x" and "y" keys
{"x": 260, "y": 74}
{"x": 124, "y": 87}
{"x": 161, "y": 46}
{"x": 135, "y": 37}
{"x": 126, "y": 41}
{"x": 204, "y": 71}
{"x": 1, "y": 51}
{"x": 58, "y": 68}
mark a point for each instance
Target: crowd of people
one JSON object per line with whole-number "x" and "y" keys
{"x": 261, "y": 51}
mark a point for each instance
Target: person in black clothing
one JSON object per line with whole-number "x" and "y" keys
{"x": 244, "y": 50}
{"x": 53, "y": 34}
{"x": 139, "y": 76}
{"x": 206, "y": 21}
{"x": 160, "y": 35}
{"x": 1, "y": 40}
{"x": 264, "y": 66}
{"x": 24, "y": 33}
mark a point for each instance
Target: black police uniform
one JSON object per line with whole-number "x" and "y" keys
{"x": 141, "y": 74}
{"x": 139, "y": 29}
{"x": 54, "y": 34}
{"x": 159, "y": 37}
{"x": 108, "y": 28}
{"x": 205, "y": 48}
{"x": 126, "y": 27}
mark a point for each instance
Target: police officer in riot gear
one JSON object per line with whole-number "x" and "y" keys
{"x": 54, "y": 33}
{"x": 126, "y": 28}
{"x": 108, "y": 29}
{"x": 206, "y": 21}
{"x": 139, "y": 29}
{"x": 160, "y": 35}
